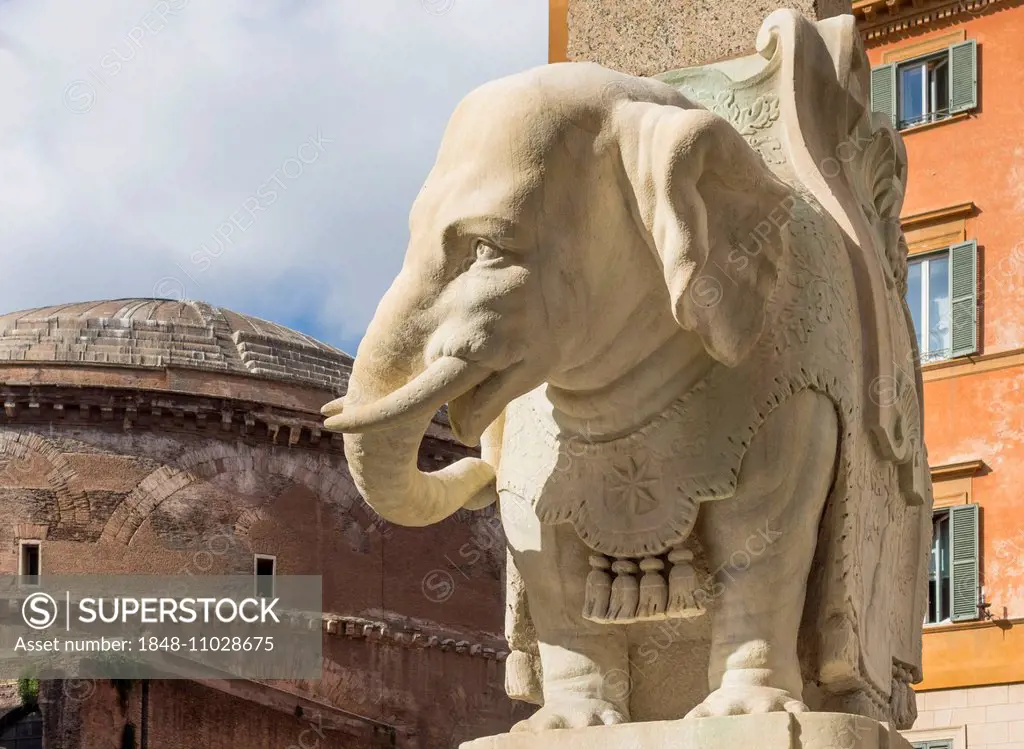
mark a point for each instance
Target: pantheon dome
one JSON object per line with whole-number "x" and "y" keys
{"x": 151, "y": 436}
{"x": 154, "y": 334}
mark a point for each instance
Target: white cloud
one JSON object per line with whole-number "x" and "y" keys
{"x": 132, "y": 130}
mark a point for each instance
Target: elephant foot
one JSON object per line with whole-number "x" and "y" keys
{"x": 741, "y": 699}
{"x": 571, "y": 713}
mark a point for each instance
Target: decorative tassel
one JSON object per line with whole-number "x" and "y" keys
{"x": 897, "y": 703}
{"x": 682, "y": 586}
{"x": 625, "y": 591}
{"x": 653, "y": 590}
{"x": 902, "y": 700}
{"x": 599, "y": 589}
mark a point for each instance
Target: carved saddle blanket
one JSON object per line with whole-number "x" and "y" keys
{"x": 634, "y": 500}
{"x": 638, "y": 495}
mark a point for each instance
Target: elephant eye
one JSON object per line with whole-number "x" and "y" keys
{"x": 485, "y": 251}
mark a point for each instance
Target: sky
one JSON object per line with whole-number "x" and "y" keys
{"x": 259, "y": 155}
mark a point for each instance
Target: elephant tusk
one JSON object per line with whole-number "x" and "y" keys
{"x": 419, "y": 398}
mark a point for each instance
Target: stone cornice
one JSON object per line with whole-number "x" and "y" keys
{"x": 167, "y": 379}
{"x": 300, "y": 401}
{"x": 377, "y": 631}
{"x": 132, "y": 409}
{"x": 401, "y": 634}
{"x": 217, "y": 417}
{"x": 879, "y": 19}
{"x": 952, "y": 471}
{"x": 949, "y": 213}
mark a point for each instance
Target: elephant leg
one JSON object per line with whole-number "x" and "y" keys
{"x": 585, "y": 665}
{"x": 760, "y": 547}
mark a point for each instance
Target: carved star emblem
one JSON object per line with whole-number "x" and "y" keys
{"x": 631, "y": 488}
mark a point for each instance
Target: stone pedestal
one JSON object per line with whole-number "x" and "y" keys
{"x": 770, "y": 731}
{"x": 646, "y": 38}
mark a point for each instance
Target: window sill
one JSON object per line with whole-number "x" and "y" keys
{"x": 941, "y": 627}
{"x": 959, "y": 117}
{"x": 938, "y": 361}
{"x": 950, "y": 361}
{"x": 972, "y": 364}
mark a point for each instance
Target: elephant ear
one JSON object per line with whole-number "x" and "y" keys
{"x": 713, "y": 213}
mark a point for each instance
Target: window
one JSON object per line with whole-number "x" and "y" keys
{"x": 938, "y": 571}
{"x": 26, "y": 733}
{"x": 923, "y": 92}
{"x": 264, "y": 567}
{"x": 953, "y": 568}
{"x": 29, "y": 559}
{"x": 929, "y": 88}
{"x": 942, "y": 297}
{"x": 941, "y": 744}
{"x": 928, "y": 299}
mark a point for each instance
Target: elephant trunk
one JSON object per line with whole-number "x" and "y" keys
{"x": 387, "y": 409}
{"x": 383, "y": 465}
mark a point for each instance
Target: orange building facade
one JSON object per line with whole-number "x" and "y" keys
{"x": 951, "y": 75}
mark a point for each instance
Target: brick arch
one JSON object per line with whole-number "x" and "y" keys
{"x": 313, "y": 472}
{"x": 353, "y": 531}
{"x": 72, "y": 504}
{"x": 249, "y": 517}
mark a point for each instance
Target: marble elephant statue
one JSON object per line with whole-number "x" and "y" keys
{"x": 671, "y": 313}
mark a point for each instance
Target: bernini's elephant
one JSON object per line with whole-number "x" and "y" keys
{"x": 671, "y": 312}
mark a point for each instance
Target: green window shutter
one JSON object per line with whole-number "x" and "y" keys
{"x": 963, "y": 533}
{"x": 883, "y": 91}
{"x": 963, "y": 298}
{"x": 963, "y": 76}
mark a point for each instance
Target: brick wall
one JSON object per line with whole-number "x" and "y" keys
{"x": 416, "y": 614}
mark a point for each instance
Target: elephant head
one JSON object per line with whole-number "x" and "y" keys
{"x": 574, "y": 218}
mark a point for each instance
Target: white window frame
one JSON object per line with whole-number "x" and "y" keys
{"x": 938, "y": 583}
{"x": 256, "y": 577}
{"x": 22, "y": 543}
{"x": 929, "y": 94}
{"x": 927, "y": 356}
